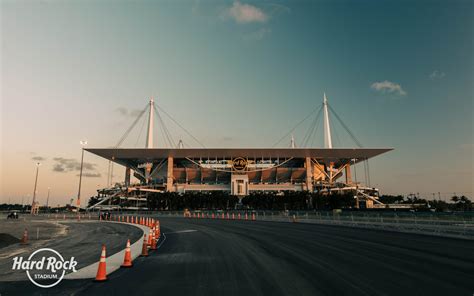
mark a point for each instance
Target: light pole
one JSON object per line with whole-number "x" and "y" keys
{"x": 34, "y": 191}
{"x": 47, "y": 199}
{"x": 78, "y": 204}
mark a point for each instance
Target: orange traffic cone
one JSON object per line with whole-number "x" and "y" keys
{"x": 227, "y": 217}
{"x": 222, "y": 216}
{"x": 233, "y": 216}
{"x": 153, "y": 241}
{"x": 212, "y": 215}
{"x": 101, "y": 271}
{"x": 150, "y": 233}
{"x": 246, "y": 216}
{"x": 239, "y": 216}
{"x": 128, "y": 219}
{"x": 144, "y": 248}
{"x": 253, "y": 217}
{"x": 127, "y": 260}
{"x": 24, "y": 239}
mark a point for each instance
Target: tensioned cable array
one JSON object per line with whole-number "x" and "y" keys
{"x": 167, "y": 135}
{"x": 179, "y": 125}
{"x": 296, "y": 126}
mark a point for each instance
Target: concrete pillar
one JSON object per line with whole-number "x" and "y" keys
{"x": 348, "y": 174}
{"x": 309, "y": 174}
{"x": 127, "y": 176}
{"x": 169, "y": 175}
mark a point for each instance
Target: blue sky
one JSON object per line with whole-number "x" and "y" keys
{"x": 237, "y": 73}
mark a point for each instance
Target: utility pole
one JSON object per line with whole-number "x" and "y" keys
{"x": 32, "y": 211}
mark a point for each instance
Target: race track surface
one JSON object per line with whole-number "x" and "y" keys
{"x": 83, "y": 241}
{"x": 214, "y": 257}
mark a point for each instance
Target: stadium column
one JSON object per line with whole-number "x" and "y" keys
{"x": 309, "y": 173}
{"x": 127, "y": 176}
{"x": 169, "y": 176}
{"x": 348, "y": 173}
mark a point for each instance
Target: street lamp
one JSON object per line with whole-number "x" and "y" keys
{"x": 32, "y": 211}
{"x": 47, "y": 199}
{"x": 83, "y": 143}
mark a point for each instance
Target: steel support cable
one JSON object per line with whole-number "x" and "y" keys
{"x": 337, "y": 141}
{"x": 140, "y": 133}
{"x": 314, "y": 128}
{"x": 166, "y": 138}
{"x": 316, "y": 131}
{"x": 165, "y": 129}
{"x": 309, "y": 132}
{"x": 345, "y": 127}
{"x": 298, "y": 124}
{"x": 185, "y": 130}
{"x": 124, "y": 136}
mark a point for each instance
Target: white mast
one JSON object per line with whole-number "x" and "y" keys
{"x": 293, "y": 141}
{"x": 327, "y": 127}
{"x": 149, "y": 136}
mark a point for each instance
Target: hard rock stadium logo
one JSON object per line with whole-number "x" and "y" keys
{"x": 45, "y": 267}
{"x": 239, "y": 163}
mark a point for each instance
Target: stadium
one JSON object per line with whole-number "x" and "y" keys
{"x": 237, "y": 171}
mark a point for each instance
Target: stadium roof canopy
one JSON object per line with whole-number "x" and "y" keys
{"x": 135, "y": 156}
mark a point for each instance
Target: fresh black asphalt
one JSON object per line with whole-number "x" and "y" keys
{"x": 215, "y": 257}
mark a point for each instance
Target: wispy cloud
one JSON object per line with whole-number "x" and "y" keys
{"x": 64, "y": 165}
{"x": 437, "y": 75}
{"x": 126, "y": 112}
{"x": 38, "y": 158}
{"x": 256, "y": 35}
{"x": 91, "y": 175}
{"x": 243, "y": 13}
{"x": 388, "y": 87}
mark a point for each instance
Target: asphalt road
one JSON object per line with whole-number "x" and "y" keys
{"x": 206, "y": 257}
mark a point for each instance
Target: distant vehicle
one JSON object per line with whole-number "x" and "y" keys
{"x": 12, "y": 215}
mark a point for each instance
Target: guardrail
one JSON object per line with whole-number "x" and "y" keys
{"x": 458, "y": 225}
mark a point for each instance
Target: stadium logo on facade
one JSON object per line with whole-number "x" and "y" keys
{"x": 45, "y": 267}
{"x": 239, "y": 163}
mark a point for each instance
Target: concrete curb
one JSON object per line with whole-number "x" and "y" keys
{"x": 114, "y": 261}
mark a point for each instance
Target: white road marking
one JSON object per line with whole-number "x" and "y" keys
{"x": 183, "y": 231}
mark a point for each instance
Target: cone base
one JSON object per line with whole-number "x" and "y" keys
{"x": 100, "y": 280}
{"x": 126, "y": 265}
